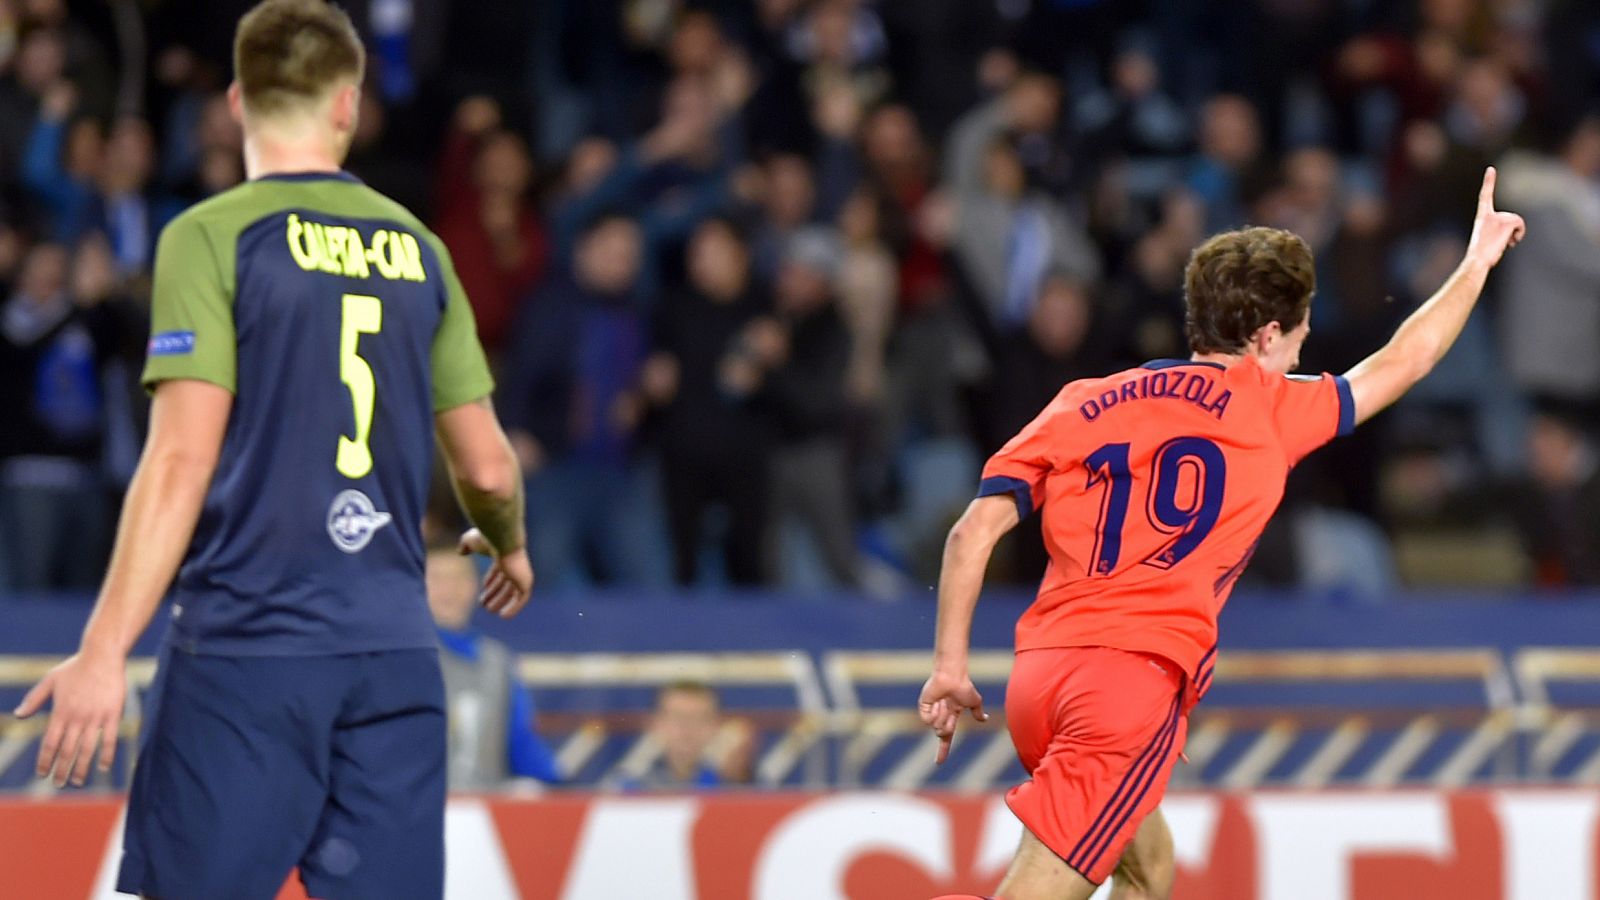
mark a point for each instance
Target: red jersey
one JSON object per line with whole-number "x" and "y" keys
{"x": 1155, "y": 485}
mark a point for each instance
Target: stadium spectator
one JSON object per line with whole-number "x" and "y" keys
{"x": 492, "y": 738}
{"x": 84, "y": 58}
{"x": 842, "y": 42}
{"x": 714, "y": 445}
{"x": 1229, "y": 164}
{"x": 670, "y": 179}
{"x": 38, "y": 64}
{"x": 898, "y": 164}
{"x": 571, "y": 405}
{"x": 801, "y": 357}
{"x": 1132, "y": 115}
{"x": 866, "y": 286}
{"x": 115, "y": 302}
{"x": 1558, "y": 509}
{"x": 53, "y": 510}
{"x": 378, "y": 157}
{"x": 788, "y": 203}
{"x": 1143, "y": 308}
{"x": 487, "y": 218}
{"x": 936, "y": 138}
{"x": 687, "y": 717}
{"x": 1029, "y": 113}
{"x": 62, "y": 161}
{"x": 126, "y": 208}
{"x": 197, "y": 119}
{"x": 1551, "y": 315}
{"x": 1008, "y": 237}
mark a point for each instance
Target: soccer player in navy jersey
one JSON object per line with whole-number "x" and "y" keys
{"x": 310, "y": 342}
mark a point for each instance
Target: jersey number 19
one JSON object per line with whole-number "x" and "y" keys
{"x": 1186, "y": 520}
{"x": 362, "y": 314}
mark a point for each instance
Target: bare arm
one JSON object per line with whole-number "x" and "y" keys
{"x": 966, "y": 557}
{"x": 187, "y": 422}
{"x": 485, "y": 473}
{"x": 488, "y": 481}
{"x": 1427, "y": 334}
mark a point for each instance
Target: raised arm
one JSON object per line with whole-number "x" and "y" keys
{"x": 1426, "y": 335}
{"x": 187, "y": 421}
{"x": 488, "y": 482}
{"x": 966, "y": 557}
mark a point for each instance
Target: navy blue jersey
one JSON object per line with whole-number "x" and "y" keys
{"x": 337, "y": 321}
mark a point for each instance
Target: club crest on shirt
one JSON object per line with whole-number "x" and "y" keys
{"x": 353, "y": 520}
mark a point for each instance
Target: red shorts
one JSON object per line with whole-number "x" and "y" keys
{"x": 1097, "y": 730}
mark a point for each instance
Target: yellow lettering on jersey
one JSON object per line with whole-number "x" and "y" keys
{"x": 341, "y": 250}
{"x": 382, "y": 255}
{"x": 333, "y": 242}
{"x": 300, "y": 246}
{"x": 413, "y": 262}
{"x": 355, "y": 255}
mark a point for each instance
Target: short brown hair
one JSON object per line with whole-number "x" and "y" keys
{"x": 290, "y": 51}
{"x": 1239, "y": 281}
{"x": 691, "y": 687}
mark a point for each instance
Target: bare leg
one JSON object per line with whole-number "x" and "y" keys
{"x": 1146, "y": 869}
{"x": 1038, "y": 874}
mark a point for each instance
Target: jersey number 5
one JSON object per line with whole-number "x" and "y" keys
{"x": 1186, "y": 520}
{"x": 362, "y": 314}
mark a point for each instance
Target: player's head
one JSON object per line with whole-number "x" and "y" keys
{"x": 452, "y": 585}
{"x": 1248, "y": 293}
{"x": 686, "y": 719}
{"x": 297, "y": 69}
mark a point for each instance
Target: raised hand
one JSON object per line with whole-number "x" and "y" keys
{"x": 944, "y": 698}
{"x": 1493, "y": 232}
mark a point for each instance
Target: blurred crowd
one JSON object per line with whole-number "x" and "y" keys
{"x": 764, "y": 281}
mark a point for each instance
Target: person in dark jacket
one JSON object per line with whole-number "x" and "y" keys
{"x": 712, "y": 437}
{"x": 1558, "y": 504}
{"x": 572, "y": 410}
{"x": 800, "y": 358}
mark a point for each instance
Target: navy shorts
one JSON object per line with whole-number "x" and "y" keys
{"x": 250, "y": 766}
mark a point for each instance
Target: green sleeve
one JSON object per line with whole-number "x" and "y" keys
{"x": 460, "y": 371}
{"x": 191, "y": 310}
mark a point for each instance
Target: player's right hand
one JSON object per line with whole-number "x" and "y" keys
{"x": 88, "y": 693}
{"x": 509, "y": 584}
{"x": 944, "y": 698}
{"x": 1493, "y": 232}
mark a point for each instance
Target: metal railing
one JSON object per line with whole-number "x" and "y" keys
{"x": 847, "y": 718}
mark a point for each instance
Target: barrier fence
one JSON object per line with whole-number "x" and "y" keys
{"x": 1304, "y": 718}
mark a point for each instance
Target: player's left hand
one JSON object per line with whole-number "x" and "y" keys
{"x": 944, "y": 698}
{"x": 88, "y": 692}
{"x": 509, "y": 584}
{"x": 1493, "y": 231}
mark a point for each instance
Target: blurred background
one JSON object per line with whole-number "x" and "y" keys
{"x": 764, "y": 282}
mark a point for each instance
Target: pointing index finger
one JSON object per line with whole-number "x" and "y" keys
{"x": 1486, "y": 193}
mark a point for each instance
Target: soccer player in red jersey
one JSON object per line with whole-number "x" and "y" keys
{"x": 1155, "y": 484}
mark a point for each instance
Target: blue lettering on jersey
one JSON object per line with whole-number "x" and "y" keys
{"x": 172, "y": 343}
{"x": 1174, "y": 385}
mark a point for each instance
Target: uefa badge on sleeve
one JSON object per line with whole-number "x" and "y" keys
{"x": 353, "y": 520}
